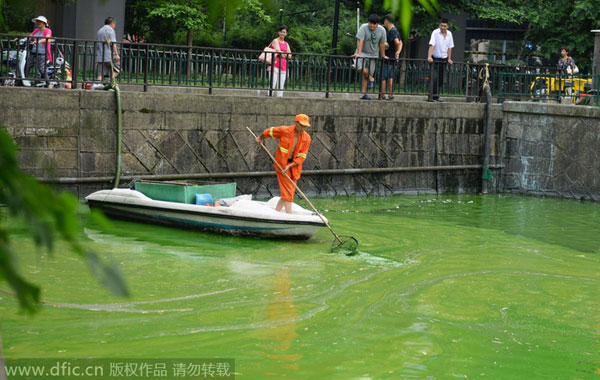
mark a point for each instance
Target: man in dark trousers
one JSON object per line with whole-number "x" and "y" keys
{"x": 393, "y": 54}
{"x": 440, "y": 53}
{"x": 106, "y": 60}
{"x": 291, "y": 153}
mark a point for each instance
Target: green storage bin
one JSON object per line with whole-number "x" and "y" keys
{"x": 217, "y": 190}
{"x": 184, "y": 192}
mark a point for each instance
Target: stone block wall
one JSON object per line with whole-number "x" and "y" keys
{"x": 552, "y": 150}
{"x": 65, "y": 133}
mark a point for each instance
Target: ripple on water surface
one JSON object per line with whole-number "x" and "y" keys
{"x": 443, "y": 287}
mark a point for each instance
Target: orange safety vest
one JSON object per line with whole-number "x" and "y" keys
{"x": 285, "y": 135}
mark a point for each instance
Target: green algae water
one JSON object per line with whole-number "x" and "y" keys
{"x": 498, "y": 287}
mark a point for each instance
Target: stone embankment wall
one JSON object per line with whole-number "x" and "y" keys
{"x": 552, "y": 150}
{"x": 71, "y": 136}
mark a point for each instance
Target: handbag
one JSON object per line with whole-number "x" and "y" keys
{"x": 572, "y": 69}
{"x": 266, "y": 56}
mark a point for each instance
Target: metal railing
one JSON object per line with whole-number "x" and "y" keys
{"x": 174, "y": 65}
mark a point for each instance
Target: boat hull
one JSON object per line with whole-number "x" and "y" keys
{"x": 203, "y": 218}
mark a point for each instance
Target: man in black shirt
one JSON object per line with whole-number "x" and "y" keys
{"x": 393, "y": 53}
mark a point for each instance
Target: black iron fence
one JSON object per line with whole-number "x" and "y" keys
{"x": 74, "y": 65}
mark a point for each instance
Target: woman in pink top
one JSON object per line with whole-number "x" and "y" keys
{"x": 40, "y": 52}
{"x": 280, "y": 65}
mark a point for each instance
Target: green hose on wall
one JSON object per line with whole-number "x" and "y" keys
{"x": 115, "y": 87}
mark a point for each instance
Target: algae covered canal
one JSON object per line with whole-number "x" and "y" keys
{"x": 498, "y": 287}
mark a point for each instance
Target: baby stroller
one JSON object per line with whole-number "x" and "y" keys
{"x": 55, "y": 69}
{"x": 10, "y": 60}
{"x": 539, "y": 89}
{"x": 17, "y": 62}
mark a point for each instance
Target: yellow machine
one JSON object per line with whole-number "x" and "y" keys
{"x": 550, "y": 87}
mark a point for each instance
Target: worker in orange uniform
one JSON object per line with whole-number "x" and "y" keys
{"x": 291, "y": 153}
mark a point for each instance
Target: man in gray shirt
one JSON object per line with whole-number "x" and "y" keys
{"x": 103, "y": 50}
{"x": 371, "y": 45}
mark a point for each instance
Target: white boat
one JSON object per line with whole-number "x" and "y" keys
{"x": 238, "y": 216}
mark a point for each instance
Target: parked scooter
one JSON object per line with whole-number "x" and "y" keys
{"x": 12, "y": 57}
{"x": 17, "y": 62}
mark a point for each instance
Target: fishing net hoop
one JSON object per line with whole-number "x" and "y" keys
{"x": 348, "y": 245}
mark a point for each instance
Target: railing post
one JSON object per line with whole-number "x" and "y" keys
{"x": 5, "y": 69}
{"x": 467, "y": 81}
{"x": 271, "y": 74}
{"x": 84, "y": 71}
{"x": 430, "y": 97}
{"x": 75, "y": 68}
{"x": 110, "y": 49}
{"x": 596, "y": 61}
{"x": 501, "y": 91}
{"x": 329, "y": 73}
{"x": 558, "y": 85}
{"x": 597, "y": 93}
{"x": 210, "y": 74}
{"x": 146, "y": 66}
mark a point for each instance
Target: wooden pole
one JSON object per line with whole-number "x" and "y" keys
{"x": 298, "y": 189}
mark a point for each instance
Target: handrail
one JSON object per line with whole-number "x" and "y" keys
{"x": 149, "y": 64}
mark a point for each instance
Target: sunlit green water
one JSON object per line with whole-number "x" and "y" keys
{"x": 444, "y": 287}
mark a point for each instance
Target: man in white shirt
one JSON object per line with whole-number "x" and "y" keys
{"x": 440, "y": 53}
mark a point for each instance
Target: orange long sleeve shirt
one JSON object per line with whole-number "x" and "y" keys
{"x": 285, "y": 135}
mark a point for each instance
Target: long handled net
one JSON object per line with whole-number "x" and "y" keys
{"x": 347, "y": 245}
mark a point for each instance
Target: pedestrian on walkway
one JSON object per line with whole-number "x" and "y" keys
{"x": 107, "y": 55}
{"x": 371, "y": 39}
{"x": 393, "y": 54}
{"x": 439, "y": 54}
{"x": 40, "y": 52}
{"x": 282, "y": 54}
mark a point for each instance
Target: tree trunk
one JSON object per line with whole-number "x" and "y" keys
{"x": 190, "y": 39}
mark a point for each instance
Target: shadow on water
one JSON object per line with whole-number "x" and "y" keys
{"x": 162, "y": 236}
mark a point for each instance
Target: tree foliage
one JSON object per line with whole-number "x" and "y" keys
{"x": 513, "y": 11}
{"x": 550, "y": 24}
{"x": 49, "y": 215}
{"x": 403, "y": 10}
{"x": 2, "y": 23}
{"x": 16, "y": 15}
{"x": 251, "y": 24}
{"x": 555, "y": 23}
{"x": 171, "y": 21}
{"x": 189, "y": 16}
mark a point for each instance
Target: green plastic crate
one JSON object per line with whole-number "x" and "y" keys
{"x": 184, "y": 192}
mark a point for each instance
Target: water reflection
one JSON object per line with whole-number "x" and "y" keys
{"x": 283, "y": 356}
